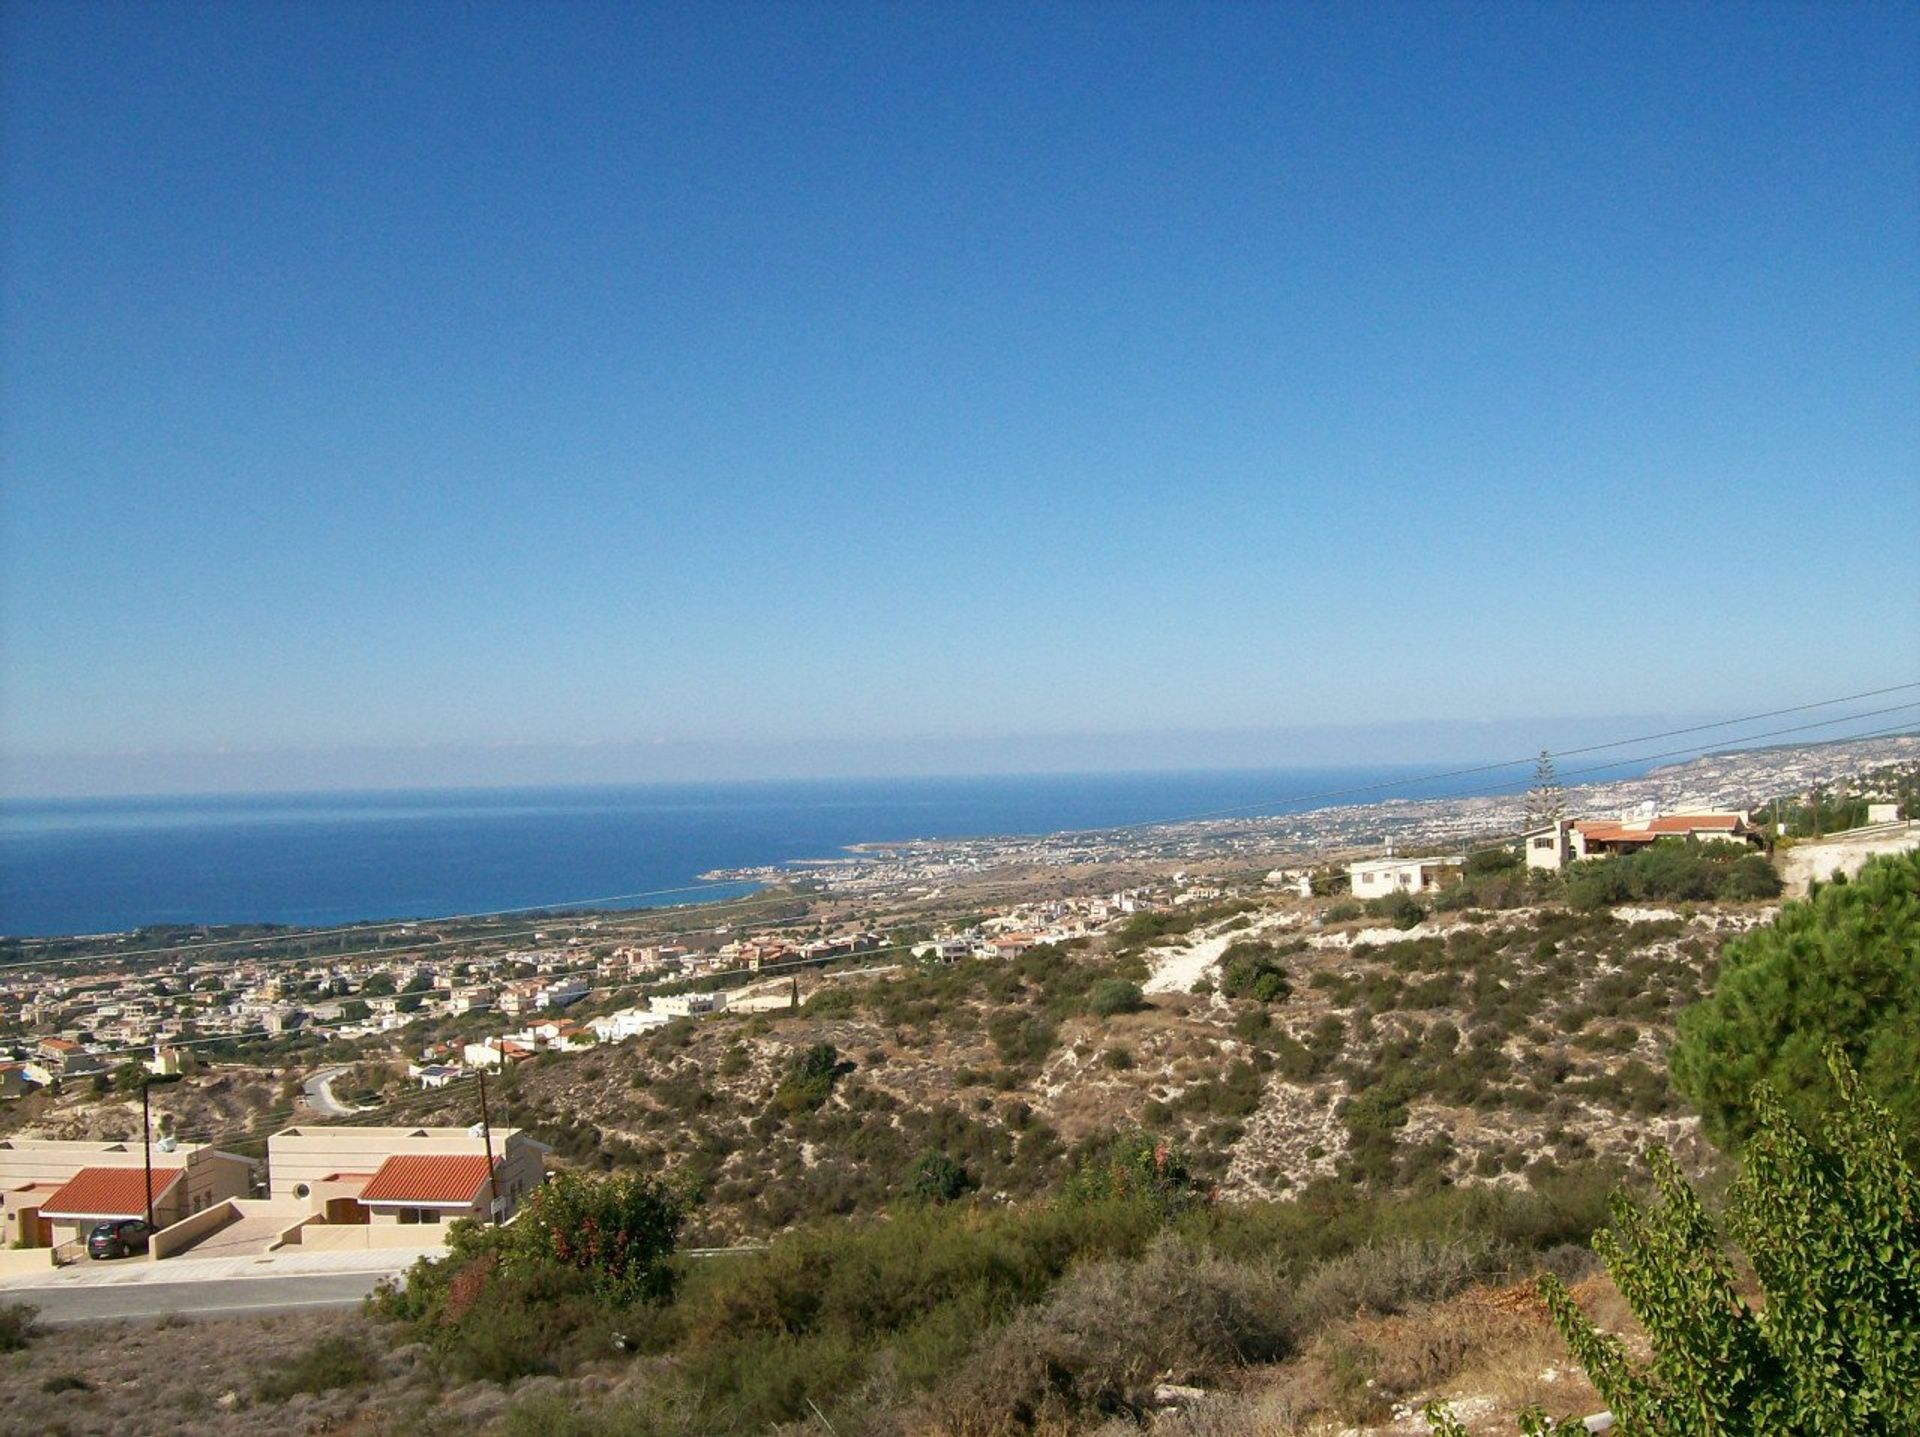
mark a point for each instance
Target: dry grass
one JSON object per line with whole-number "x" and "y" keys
{"x": 168, "y": 1378}
{"x": 1489, "y": 1352}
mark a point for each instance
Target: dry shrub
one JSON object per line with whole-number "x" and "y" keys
{"x": 1389, "y": 1278}
{"x": 1492, "y": 1344}
{"x": 1414, "y": 1351}
{"x": 1108, "y": 1334}
{"x": 1274, "y": 1413}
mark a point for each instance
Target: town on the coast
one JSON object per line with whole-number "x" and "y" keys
{"x": 105, "y": 1036}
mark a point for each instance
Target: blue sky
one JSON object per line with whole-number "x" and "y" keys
{"x": 699, "y": 380}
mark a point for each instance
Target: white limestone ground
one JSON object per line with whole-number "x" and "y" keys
{"x": 1176, "y": 970}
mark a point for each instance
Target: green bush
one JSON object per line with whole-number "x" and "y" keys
{"x": 809, "y": 1079}
{"x": 1111, "y": 1331}
{"x": 1111, "y": 996}
{"x": 1022, "y": 1039}
{"x": 1484, "y": 861}
{"x": 807, "y": 1321}
{"x": 538, "y": 1323}
{"x": 1135, "y": 1168}
{"x": 1841, "y": 967}
{"x": 1392, "y": 1276}
{"x": 937, "y": 1178}
{"x": 838, "y": 1001}
{"x": 1673, "y": 870}
{"x": 619, "y": 1230}
{"x": 586, "y": 1255}
{"x": 1251, "y": 969}
{"x": 1831, "y": 1227}
{"x": 1402, "y": 910}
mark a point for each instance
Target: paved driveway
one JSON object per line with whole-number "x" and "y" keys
{"x": 244, "y": 1237}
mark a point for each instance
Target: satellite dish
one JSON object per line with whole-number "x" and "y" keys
{"x": 167, "y": 1143}
{"x": 477, "y": 1131}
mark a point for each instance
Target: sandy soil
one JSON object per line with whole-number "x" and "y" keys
{"x": 1176, "y": 970}
{"x": 1806, "y": 862}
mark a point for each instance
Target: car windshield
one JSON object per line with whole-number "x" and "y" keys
{"x": 106, "y": 1229}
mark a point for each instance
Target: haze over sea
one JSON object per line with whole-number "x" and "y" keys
{"x": 106, "y": 865}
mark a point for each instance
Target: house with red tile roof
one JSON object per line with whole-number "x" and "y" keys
{"x": 52, "y": 1191}
{"x": 1569, "y": 840}
{"x": 365, "y": 1175}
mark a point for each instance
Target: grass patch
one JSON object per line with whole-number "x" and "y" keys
{"x": 330, "y": 1364}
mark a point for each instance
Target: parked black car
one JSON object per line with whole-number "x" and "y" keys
{"x": 118, "y": 1239}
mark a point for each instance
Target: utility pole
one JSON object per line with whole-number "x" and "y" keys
{"x": 486, "y": 1133}
{"x": 146, "y": 1142}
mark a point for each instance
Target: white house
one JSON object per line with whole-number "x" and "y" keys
{"x": 945, "y": 950}
{"x": 495, "y": 1053}
{"x": 561, "y": 993}
{"x": 687, "y": 1005}
{"x": 627, "y": 1023}
{"x": 1379, "y": 877}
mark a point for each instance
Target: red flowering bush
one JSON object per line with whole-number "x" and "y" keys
{"x": 619, "y": 1230}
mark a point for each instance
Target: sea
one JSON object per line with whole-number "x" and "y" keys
{"x": 89, "y": 866}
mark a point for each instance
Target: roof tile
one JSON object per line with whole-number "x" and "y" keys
{"x": 431, "y": 1179}
{"x": 108, "y": 1192}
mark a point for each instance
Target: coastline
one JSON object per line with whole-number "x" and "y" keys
{"x": 866, "y": 865}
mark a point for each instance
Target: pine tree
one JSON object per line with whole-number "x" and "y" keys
{"x": 1545, "y": 803}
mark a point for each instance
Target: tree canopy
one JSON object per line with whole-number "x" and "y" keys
{"x": 1841, "y": 967}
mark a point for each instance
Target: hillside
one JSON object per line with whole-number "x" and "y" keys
{"x": 1480, "y": 1048}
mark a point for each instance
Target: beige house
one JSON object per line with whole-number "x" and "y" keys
{"x": 355, "y": 1175}
{"x": 53, "y": 1191}
{"x": 1572, "y": 839}
{"x": 1380, "y": 877}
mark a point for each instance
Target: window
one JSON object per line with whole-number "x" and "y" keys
{"x": 1546, "y": 843}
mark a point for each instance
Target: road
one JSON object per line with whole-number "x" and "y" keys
{"x": 319, "y": 1091}
{"x": 233, "y": 1297}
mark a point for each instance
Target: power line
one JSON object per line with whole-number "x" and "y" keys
{"x": 1510, "y": 784}
{"x": 1400, "y": 783}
